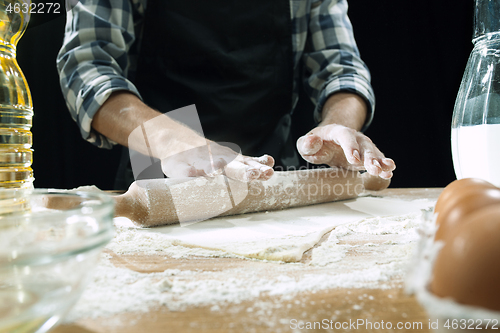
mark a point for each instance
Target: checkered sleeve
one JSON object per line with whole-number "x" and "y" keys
{"x": 332, "y": 59}
{"x": 93, "y": 61}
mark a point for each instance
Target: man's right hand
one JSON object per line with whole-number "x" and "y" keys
{"x": 212, "y": 159}
{"x": 125, "y": 119}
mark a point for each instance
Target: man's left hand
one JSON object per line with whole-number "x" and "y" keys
{"x": 340, "y": 146}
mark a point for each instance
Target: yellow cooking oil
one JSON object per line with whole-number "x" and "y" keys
{"x": 30, "y": 326}
{"x": 16, "y": 109}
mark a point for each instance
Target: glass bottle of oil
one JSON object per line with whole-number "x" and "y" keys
{"x": 16, "y": 108}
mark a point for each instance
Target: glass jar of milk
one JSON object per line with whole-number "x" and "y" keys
{"x": 475, "y": 129}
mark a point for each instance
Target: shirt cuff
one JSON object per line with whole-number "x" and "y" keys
{"x": 347, "y": 83}
{"x": 92, "y": 99}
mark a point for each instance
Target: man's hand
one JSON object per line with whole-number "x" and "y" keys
{"x": 337, "y": 141}
{"x": 340, "y": 146}
{"x": 125, "y": 119}
{"x": 212, "y": 159}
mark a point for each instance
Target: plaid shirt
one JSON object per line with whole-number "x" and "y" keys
{"x": 102, "y": 41}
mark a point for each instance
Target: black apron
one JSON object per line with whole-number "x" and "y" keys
{"x": 233, "y": 59}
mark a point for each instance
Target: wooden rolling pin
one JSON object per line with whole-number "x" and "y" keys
{"x": 155, "y": 202}
{"x": 166, "y": 201}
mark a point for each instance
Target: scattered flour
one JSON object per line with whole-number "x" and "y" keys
{"x": 359, "y": 236}
{"x": 128, "y": 241}
{"x": 371, "y": 253}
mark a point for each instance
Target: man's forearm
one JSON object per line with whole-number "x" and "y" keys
{"x": 345, "y": 109}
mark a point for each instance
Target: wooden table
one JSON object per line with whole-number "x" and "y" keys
{"x": 389, "y": 305}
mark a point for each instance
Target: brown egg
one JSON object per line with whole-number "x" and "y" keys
{"x": 469, "y": 199}
{"x": 455, "y": 187}
{"x": 467, "y": 268}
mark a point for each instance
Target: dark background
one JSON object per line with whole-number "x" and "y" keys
{"x": 416, "y": 51}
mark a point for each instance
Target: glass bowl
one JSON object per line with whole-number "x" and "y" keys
{"x": 49, "y": 242}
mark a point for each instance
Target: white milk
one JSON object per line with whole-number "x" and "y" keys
{"x": 476, "y": 152}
